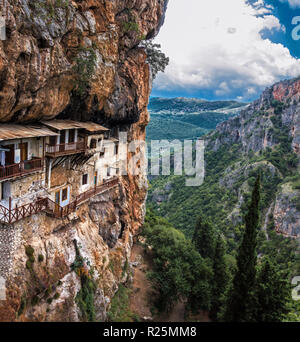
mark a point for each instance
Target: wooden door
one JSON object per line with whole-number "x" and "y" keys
{"x": 57, "y": 202}
{"x": 95, "y": 178}
{"x": 23, "y": 151}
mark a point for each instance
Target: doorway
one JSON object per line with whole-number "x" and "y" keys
{"x": 23, "y": 151}
{"x": 62, "y": 141}
{"x": 96, "y": 178}
{"x": 10, "y": 155}
{"x": 57, "y": 202}
{"x": 71, "y": 135}
{"x": 52, "y": 141}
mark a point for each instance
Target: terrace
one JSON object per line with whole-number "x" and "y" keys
{"x": 21, "y": 169}
{"x": 65, "y": 149}
{"x": 72, "y": 137}
{"x": 9, "y": 216}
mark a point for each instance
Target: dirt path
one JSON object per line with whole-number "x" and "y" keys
{"x": 140, "y": 300}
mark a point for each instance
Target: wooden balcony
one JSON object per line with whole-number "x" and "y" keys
{"x": 54, "y": 151}
{"x": 21, "y": 169}
{"x": 9, "y": 216}
{"x": 68, "y": 209}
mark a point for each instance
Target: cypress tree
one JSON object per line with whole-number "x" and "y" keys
{"x": 220, "y": 278}
{"x": 273, "y": 293}
{"x": 203, "y": 238}
{"x": 240, "y": 303}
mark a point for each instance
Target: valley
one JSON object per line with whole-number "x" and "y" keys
{"x": 262, "y": 140}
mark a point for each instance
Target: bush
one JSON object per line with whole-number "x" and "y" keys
{"x": 29, "y": 251}
{"x": 84, "y": 70}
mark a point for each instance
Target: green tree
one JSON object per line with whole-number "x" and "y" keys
{"x": 204, "y": 238}
{"x": 179, "y": 271}
{"x": 273, "y": 293}
{"x": 155, "y": 57}
{"x": 220, "y": 278}
{"x": 240, "y": 304}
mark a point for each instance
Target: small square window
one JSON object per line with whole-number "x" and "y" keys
{"x": 85, "y": 179}
{"x": 64, "y": 195}
{"x": 93, "y": 143}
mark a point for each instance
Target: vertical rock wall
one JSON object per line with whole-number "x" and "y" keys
{"x": 45, "y": 41}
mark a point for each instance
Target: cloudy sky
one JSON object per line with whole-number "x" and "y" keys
{"x": 228, "y": 49}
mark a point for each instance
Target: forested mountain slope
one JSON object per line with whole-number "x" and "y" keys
{"x": 187, "y": 118}
{"x": 264, "y": 138}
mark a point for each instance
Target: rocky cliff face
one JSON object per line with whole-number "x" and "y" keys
{"x": 268, "y": 133}
{"x": 49, "y": 263}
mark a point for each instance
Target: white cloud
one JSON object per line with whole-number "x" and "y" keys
{"x": 218, "y": 45}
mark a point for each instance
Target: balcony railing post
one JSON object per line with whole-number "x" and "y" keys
{"x": 9, "y": 208}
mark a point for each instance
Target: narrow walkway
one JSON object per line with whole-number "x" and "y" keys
{"x": 9, "y": 216}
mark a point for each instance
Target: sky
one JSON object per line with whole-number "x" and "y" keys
{"x": 228, "y": 49}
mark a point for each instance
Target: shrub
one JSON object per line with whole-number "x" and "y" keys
{"x": 29, "y": 251}
{"x": 56, "y": 296}
{"x": 84, "y": 69}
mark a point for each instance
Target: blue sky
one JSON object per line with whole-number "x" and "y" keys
{"x": 227, "y": 49}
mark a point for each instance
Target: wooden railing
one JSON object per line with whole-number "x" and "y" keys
{"x": 20, "y": 169}
{"x": 10, "y": 216}
{"x": 87, "y": 195}
{"x": 18, "y": 213}
{"x": 67, "y": 148}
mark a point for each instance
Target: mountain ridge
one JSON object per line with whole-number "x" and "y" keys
{"x": 190, "y": 105}
{"x": 264, "y": 138}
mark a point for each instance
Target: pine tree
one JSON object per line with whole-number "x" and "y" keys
{"x": 240, "y": 305}
{"x": 273, "y": 293}
{"x": 220, "y": 278}
{"x": 203, "y": 238}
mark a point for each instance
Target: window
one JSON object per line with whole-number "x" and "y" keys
{"x": 101, "y": 155}
{"x": 85, "y": 179}
{"x": 116, "y": 148}
{"x": 93, "y": 143}
{"x": 64, "y": 194}
{"x": 108, "y": 172}
{"x": 5, "y": 191}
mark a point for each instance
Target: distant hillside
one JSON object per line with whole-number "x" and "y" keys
{"x": 182, "y": 105}
{"x": 184, "y": 118}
